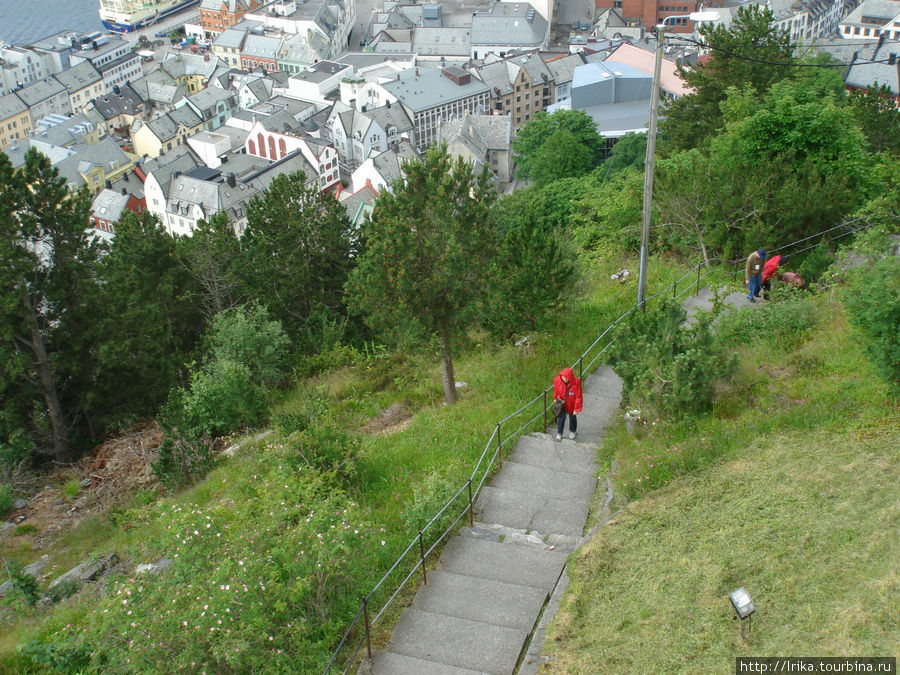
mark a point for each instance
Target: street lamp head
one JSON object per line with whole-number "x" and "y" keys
{"x": 706, "y": 15}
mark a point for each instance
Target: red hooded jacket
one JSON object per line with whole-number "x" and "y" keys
{"x": 570, "y": 393}
{"x": 770, "y": 268}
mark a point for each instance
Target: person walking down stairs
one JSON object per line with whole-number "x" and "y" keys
{"x": 567, "y": 388}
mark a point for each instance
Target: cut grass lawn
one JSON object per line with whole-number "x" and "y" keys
{"x": 798, "y": 503}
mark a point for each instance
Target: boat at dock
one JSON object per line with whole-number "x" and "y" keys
{"x": 127, "y": 16}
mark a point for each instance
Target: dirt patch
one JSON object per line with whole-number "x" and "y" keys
{"x": 116, "y": 468}
{"x": 396, "y": 417}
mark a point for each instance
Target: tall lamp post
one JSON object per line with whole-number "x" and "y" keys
{"x": 651, "y": 143}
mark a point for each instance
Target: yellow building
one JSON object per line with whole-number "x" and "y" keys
{"x": 15, "y": 120}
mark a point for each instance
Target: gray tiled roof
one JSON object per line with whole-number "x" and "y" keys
{"x": 10, "y": 105}
{"x": 261, "y": 46}
{"x": 109, "y": 204}
{"x": 394, "y": 116}
{"x": 423, "y": 88}
{"x": 103, "y": 153}
{"x": 34, "y": 93}
{"x": 493, "y": 131}
{"x": 209, "y": 97}
{"x": 563, "y": 69}
{"x": 508, "y": 23}
{"x": 186, "y": 116}
{"x": 111, "y": 104}
{"x": 442, "y": 41}
{"x": 78, "y": 76}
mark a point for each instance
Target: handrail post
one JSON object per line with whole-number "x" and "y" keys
{"x": 674, "y": 287}
{"x": 366, "y": 618}
{"x": 422, "y": 557}
{"x": 580, "y": 367}
{"x": 697, "y": 292}
{"x": 471, "y": 518}
{"x": 499, "y": 448}
{"x": 545, "y": 410}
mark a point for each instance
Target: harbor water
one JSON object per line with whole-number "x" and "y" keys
{"x": 24, "y": 21}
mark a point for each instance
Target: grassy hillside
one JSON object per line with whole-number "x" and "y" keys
{"x": 790, "y": 488}
{"x": 273, "y": 550}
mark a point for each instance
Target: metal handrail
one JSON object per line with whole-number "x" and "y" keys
{"x": 496, "y": 443}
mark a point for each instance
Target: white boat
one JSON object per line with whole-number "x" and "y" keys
{"x": 125, "y": 16}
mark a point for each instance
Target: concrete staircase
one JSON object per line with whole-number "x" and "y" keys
{"x": 483, "y": 600}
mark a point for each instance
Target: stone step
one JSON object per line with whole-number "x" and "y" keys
{"x": 502, "y": 533}
{"x": 533, "y": 512}
{"x": 543, "y": 451}
{"x": 461, "y": 643}
{"x": 521, "y": 565}
{"x": 485, "y": 600}
{"x": 546, "y": 482}
{"x": 387, "y": 663}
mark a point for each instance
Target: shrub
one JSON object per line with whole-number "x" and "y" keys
{"x": 25, "y": 528}
{"x": 816, "y": 262}
{"x": 784, "y": 321}
{"x": 300, "y": 413}
{"x": 247, "y": 336}
{"x": 873, "y": 305}
{"x": 64, "y": 658}
{"x": 14, "y": 451}
{"x": 668, "y": 365}
{"x": 24, "y": 586}
{"x": 6, "y": 499}
{"x": 327, "y": 449}
{"x": 429, "y": 498}
{"x": 72, "y": 488}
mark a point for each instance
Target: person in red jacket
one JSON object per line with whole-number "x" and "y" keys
{"x": 567, "y": 388}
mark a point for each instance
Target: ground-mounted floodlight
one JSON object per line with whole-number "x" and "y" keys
{"x": 743, "y": 607}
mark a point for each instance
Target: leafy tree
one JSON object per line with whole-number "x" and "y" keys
{"x": 741, "y": 191}
{"x": 47, "y": 263}
{"x": 561, "y": 156}
{"x": 878, "y": 117}
{"x": 251, "y": 337}
{"x": 212, "y": 256}
{"x": 297, "y": 252}
{"x": 533, "y": 274}
{"x": 529, "y": 144}
{"x": 150, "y": 319}
{"x": 244, "y": 357}
{"x": 429, "y": 247}
{"x": 630, "y": 151}
{"x": 610, "y": 214}
{"x": 745, "y": 56}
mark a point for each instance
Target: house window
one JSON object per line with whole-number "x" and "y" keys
{"x": 262, "y": 145}
{"x": 282, "y": 147}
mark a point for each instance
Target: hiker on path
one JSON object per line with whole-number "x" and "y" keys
{"x": 753, "y": 273}
{"x": 567, "y": 388}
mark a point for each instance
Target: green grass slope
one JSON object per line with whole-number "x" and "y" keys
{"x": 790, "y": 489}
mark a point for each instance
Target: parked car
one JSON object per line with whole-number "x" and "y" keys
{"x": 585, "y": 25}
{"x": 575, "y": 25}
